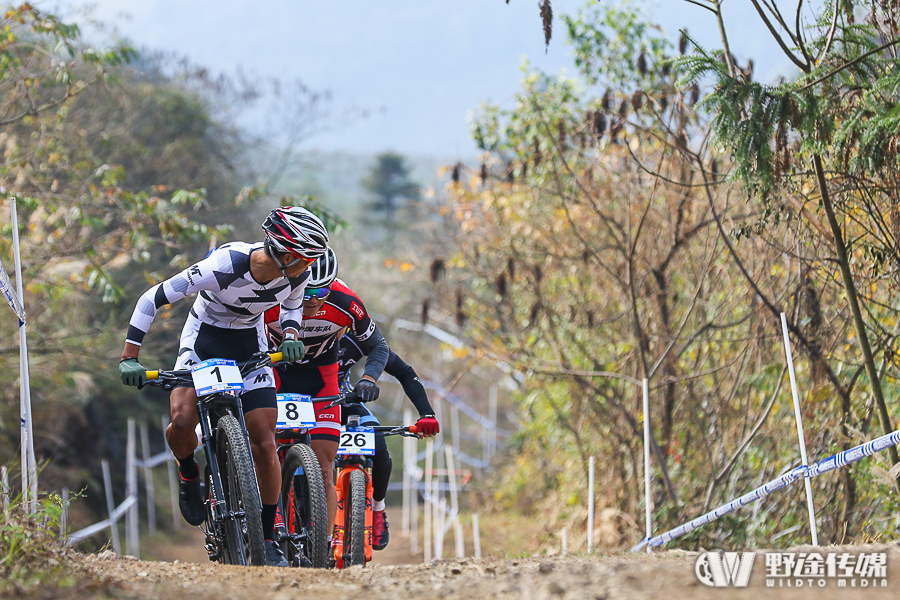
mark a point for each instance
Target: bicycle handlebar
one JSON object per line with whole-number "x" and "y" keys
{"x": 407, "y": 431}
{"x": 259, "y": 360}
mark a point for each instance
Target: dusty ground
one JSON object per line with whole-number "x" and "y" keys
{"x": 662, "y": 575}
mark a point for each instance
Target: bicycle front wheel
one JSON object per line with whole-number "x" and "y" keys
{"x": 243, "y": 534}
{"x": 303, "y": 499}
{"x": 357, "y": 519}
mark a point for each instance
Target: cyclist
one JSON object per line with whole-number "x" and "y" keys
{"x": 329, "y": 309}
{"x": 349, "y": 354}
{"x": 236, "y": 282}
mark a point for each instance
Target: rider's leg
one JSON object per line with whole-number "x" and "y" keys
{"x": 181, "y": 433}
{"x": 261, "y": 429}
{"x": 381, "y": 477}
{"x": 183, "y": 441}
{"x": 326, "y": 448}
{"x": 381, "y": 469}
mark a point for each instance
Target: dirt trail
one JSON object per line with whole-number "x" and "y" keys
{"x": 662, "y": 575}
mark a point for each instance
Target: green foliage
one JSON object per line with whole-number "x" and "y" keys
{"x": 33, "y": 556}
{"x": 589, "y": 256}
{"x": 617, "y": 46}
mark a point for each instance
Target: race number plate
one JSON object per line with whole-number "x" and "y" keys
{"x": 295, "y": 411}
{"x": 357, "y": 441}
{"x": 216, "y": 375}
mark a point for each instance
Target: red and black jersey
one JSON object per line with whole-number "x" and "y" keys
{"x": 320, "y": 333}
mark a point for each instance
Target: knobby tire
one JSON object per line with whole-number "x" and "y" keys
{"x": 357, "y": 518}
{"x": 241, "y": 493}
{"x": 304, "y": 496}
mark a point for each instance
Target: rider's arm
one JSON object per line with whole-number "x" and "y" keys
{"x": 376, "y": 351}
{"x": 197, "y": 277}
{"x": 291, "y": 312}
{"x": 412, "y": 387}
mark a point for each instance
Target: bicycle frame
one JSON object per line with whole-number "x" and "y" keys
{"x": 346, "y": 466}
{"x": 211, "y": 408}
{"x": 285, "y": 439}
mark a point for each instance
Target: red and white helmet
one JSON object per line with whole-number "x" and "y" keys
{"x": 296, "y": 231}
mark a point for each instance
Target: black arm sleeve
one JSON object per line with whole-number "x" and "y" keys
{"x": 408, "y": 378}
{"x": 376, "y": 351}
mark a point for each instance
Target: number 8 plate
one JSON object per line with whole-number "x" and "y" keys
{"x": 357, "y": 441}
{"x": 295, "y": 410}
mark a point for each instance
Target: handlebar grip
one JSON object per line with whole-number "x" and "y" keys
{"x": 276, "y": 357}
{"x": 413, "y": 429}
{"x": 152, "y": 375}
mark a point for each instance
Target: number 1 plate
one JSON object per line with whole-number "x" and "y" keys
{"x": 295, "y": 411}
{"x": 357, "y": 441}
{"x": 216, "y": 375}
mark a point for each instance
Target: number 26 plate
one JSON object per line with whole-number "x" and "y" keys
{"x": 216, "y": 375}
{"x": 357, "y": 441}
{"x": 295, "y": 411}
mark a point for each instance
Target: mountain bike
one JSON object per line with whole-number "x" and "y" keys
{"x": 352, "y": 539}
{"x": 303, "y": 533}
{"x": 233, "y": 526}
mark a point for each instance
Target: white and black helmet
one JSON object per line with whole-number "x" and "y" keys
{"x": 295, "y": 230}
{"x": 324, "y": 270}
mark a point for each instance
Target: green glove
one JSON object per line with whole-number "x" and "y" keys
{"x": 132, "y": 372}
{"x": 292, "y": 350}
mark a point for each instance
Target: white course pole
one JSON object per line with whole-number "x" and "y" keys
{"x": 64, "y": 515}
{"x": 454, "y": 504}
{"x": 413, "y": 499}
{"x": 132, "y": 544}
{"x": 407, "y": 474}
{"x": 809, "y": 498}
{"x": 590, "y": 523}
{"x": 454, "y": 428}
{"x": 29, "y": 464}
{"x": 647, "y": 506}
{"x": 173, "y": 478}
{"x": 110, "y": 507}
{"x": 4, "y": 482}
{"x": 438, "y": 523}
{"x": 148, "y": 480}
{"x": 476, "y": 535}
{"x": 492, "y": 415}
{"x": 565, "y": 542}
{"x": 429, "y": 498}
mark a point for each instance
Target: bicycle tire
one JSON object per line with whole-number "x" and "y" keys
{"x": 241, "y": 493}
{"x": 357, "y": 519}
{"x": 304, "y": 496}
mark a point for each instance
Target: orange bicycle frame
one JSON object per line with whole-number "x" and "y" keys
{"x": 342, "y": 489}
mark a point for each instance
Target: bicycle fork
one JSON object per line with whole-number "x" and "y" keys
{"x": 341, "y": 549}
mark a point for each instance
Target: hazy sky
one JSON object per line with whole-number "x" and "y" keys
{"x": 420, "y": 65}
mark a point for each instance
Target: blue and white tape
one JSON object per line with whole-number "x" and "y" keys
{"x": 12, "y": 298}
{"x": 823, "y": 466}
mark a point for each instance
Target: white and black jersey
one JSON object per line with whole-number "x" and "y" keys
{"x": 229, "y": 297}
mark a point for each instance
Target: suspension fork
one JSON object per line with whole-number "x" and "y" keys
{"x": 220, "y": 509}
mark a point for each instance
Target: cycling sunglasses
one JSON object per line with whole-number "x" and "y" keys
{"x": 316, "y": 293}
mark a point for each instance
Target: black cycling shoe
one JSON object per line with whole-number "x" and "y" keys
{"x": 274, "y": 555}
{"x": 190, "y": 500}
